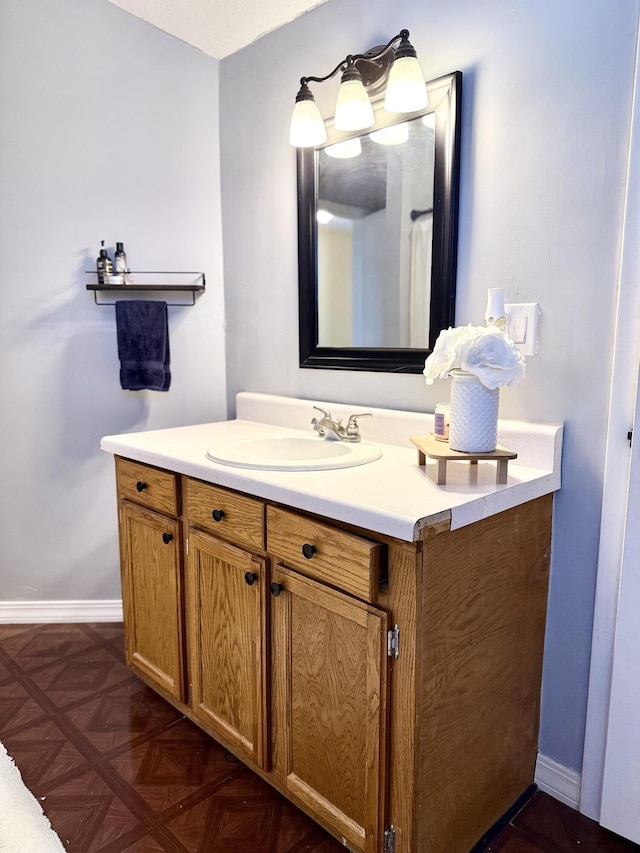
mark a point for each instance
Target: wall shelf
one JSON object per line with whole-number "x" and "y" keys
{"x": 150, "y": 282}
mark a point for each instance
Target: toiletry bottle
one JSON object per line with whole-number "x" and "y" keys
{"x": 441, "y": 421}
{"x": 120, "y": 263}
{"x": 104, "y": 266}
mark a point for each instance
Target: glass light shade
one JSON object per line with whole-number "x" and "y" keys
{"x": 307, "y": 125}
{"x": 406, "y": 89}
{"x": 396, "y": 134}
{"x": 353, "y": 107}
{"x": 344, "y": 150}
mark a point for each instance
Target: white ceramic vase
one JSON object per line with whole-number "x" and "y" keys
{"x": 474, "y": 414}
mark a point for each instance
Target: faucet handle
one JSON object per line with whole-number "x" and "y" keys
{"x": 320, "y": 423}
{"x": 324, "y": 412}
{"x": 352, "y": 423}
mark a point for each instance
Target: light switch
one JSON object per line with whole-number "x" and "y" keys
{"x": 519, "y": 330}
{"x": 523, "y": 325}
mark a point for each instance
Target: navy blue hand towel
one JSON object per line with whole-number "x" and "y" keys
{"x": 143, "y": 345}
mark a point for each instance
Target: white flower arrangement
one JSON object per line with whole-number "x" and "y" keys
{"x": 485, "y": 351}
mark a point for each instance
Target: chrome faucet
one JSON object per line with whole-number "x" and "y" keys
{"x": 349, "y": 433}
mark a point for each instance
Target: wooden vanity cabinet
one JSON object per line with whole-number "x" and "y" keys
{"x": 227, "y": 627}
{"x": 326, "y": 553}
{"x": 389, "y": 688}
{"x": 465, "y": 689}
{"x": 330, "y": 675}
{"x": 227, "y": 632}
{"x": 228, "y": 515}
{"x": 151, "y": 560}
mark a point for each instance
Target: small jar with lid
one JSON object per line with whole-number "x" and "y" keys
{"x": 441, "y": 422}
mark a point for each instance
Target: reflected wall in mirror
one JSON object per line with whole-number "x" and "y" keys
{"x": 377, "y": 233}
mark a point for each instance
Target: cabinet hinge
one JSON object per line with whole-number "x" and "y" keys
{"x": 389, "y": 845}
{"x": 393, "y": 642}
{"x": 186, "y": 544}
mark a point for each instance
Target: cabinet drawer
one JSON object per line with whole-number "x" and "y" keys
{"x": 150, "y": 487}
{"x": 227, "y": 514}
{"x": 320, "y": 551}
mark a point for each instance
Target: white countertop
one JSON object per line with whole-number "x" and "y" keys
{"x": 392, "y": 495}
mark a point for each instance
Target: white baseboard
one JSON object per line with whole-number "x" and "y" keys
{"x": 30, "y": 612}
{"x": 558, "y": 781}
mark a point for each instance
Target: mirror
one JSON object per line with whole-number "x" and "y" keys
{"x": 377, "y": 235}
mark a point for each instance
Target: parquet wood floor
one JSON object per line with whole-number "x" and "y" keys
{"x": 118, "y": 769}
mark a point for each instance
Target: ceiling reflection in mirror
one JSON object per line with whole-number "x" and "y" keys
{"x": 377, "y": 237}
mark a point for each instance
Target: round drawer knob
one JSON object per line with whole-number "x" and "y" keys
{"x": 217, "y": 514}
{"x": 250, "y": 578}
{"x": 276, "y": 588}
{"x": 140, "y": 486}
{"x": 308, "y": 550}
{"x": 167, "y": 537}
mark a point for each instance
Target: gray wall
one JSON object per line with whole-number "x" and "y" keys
{"x": 108, "y": 130}
{"x": 546, "y": 112}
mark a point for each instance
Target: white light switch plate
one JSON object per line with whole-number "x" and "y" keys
{"x": 523, "y": 325}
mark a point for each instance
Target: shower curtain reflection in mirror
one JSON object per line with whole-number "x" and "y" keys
{"x": 420, "y": 279}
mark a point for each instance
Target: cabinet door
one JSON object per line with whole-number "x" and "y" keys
{"x": 152, "y": 596}
{"x": 330, "y": 706}
{"x": 227, "y": 642}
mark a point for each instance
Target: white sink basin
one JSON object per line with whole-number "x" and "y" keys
{"x": 292, "y": 453}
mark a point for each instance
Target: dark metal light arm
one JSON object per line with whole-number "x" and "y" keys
{"x": 369, "y": 57}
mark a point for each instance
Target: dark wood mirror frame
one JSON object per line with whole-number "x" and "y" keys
{"x": 445, "y": 103}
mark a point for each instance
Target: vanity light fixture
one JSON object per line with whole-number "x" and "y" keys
{"x": 362, "y": 73}
{"x": 353, "y": 107}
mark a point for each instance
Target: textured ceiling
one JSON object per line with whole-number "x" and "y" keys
{"x": 217, "y": 27}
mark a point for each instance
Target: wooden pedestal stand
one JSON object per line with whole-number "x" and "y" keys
{"x": 440, "y": 451}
